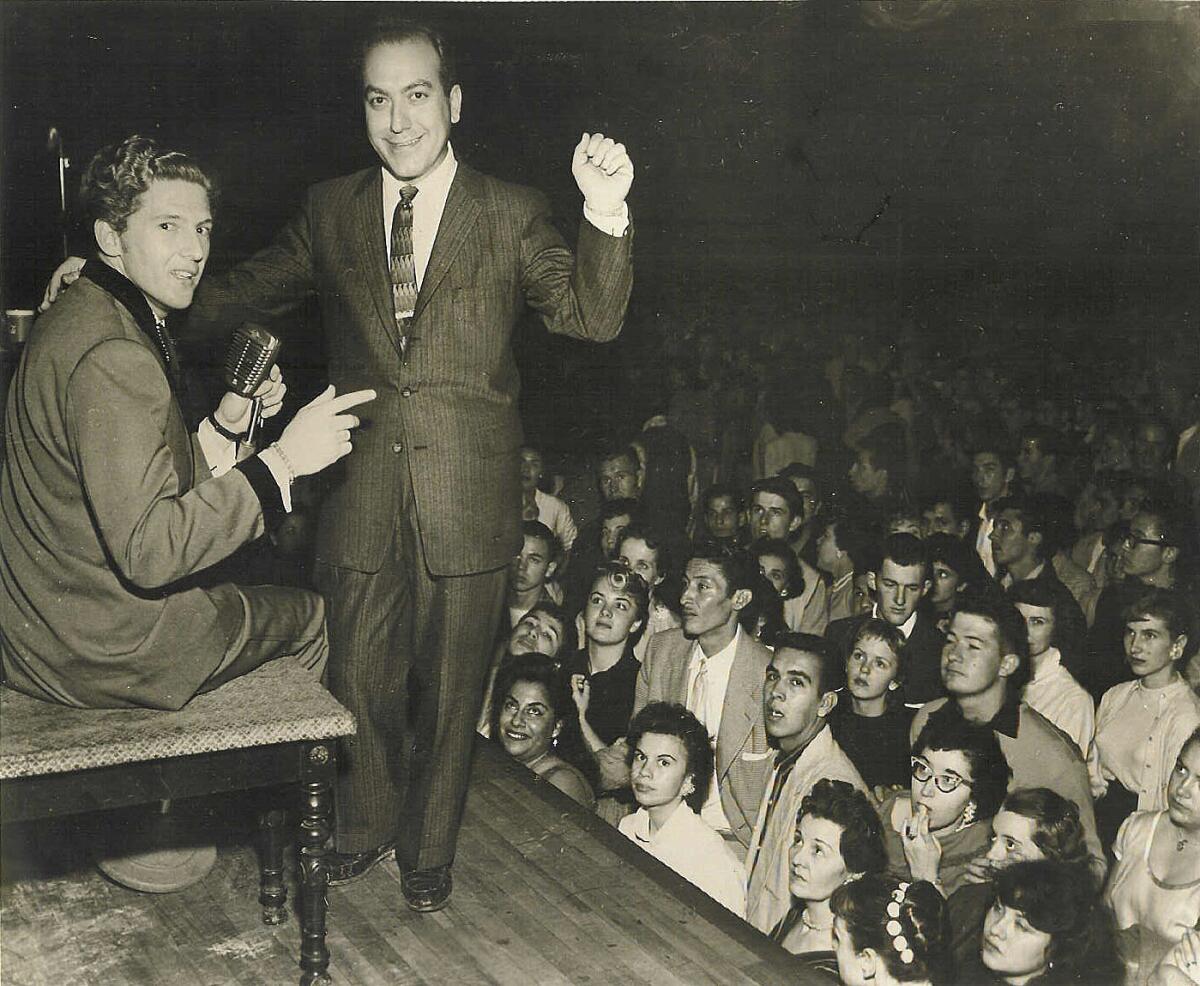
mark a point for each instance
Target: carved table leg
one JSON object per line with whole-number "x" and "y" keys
{"x": 315, "y": 829}
{"x": 272, "y": 892}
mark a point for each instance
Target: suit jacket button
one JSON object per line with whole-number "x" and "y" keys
{"x": 397, "y": 447}
{"x": 406, "y": 392}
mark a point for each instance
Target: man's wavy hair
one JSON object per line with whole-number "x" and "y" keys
{"x": 119, "y": 173}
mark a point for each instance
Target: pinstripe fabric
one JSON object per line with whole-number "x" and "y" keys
{"x": 419, "y": 521}
{"x": 403, "y": 266}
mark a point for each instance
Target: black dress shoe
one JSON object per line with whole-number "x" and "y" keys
{"x": 343, "y": 867}
{"x": 427, "y": 890}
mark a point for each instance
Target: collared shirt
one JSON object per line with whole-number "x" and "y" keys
{"x": 983, "y": 540}
{"x": 432, "y": 191}
{"x": 694, "y": 851}
{"x": 905, "y": 628}
{"x": 1139, "y": 732}
{"x": 1054, "y": 693}
{"x": 1008, "y": 581}
{"x": 718, "y": 667}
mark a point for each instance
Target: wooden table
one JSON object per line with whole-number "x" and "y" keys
{"x": 273, "y": 726}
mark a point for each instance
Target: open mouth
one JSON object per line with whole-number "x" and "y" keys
{"x": 515, "y": 736}
{"x": 403, "y": 144}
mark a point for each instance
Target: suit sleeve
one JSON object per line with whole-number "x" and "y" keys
{"x": 584, "y": 295}
{"x": 118, "y": 408}
{"x": 272, "y": 282}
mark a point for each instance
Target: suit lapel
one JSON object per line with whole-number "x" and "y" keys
{"x": 458, "y": 219}
{"x": 372, "y": 251}
{"x": 743, "y": 707}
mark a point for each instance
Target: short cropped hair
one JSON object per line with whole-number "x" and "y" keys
{"x": 718, "y": 490}
{"x": 990, "y": 772}
{"x": 622, "y": 506}
{"x": 390, "y": 29}
{"x": 1168, "y": 605}
{"x": 876, "y": 629}
{"x": 119, "y": 173}
{"x": 861, "y": 844}
{"x": 904, "y": 550}
{"x": 672, "y": 719}
{"x": 832, "y": 671}
{"x": 1011, "y": 633}
{"x": 737, "y": 567}
{"x": 536, "y": 529}
{"x": 779, "y": 487}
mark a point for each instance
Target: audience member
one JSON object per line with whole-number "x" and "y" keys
{"x": 535, "y": 723}
{"x": 870, "y": 721}
{"x": 798, "y": 693}
{"x": 646, "y": 552}
{"x": 1154, "y": 887}
{"x": 724, "y": 516}
{"x": 954, "y": 568}
{"x": 899, "y": 584}
{"x": 985, "y": 666}
{"x": 809, "y": 485}
{"x": 837, "y": 840}
{"x": 1142, "y": 724}
{"x": 936, "y": 828}
{"x": 670, "y": 769}
{"x": 542, "y": 630}
{"x": 842, "y": 551}
{"x": 531, "y": 574}
{"x": 537, "y": 504}
{"x": 992, "y": 472}
{"x": 776, "y": 512}
{"x": 886, "y": 933}
{"x": 1038, "y": 459}
{"x": 946, "y": 512}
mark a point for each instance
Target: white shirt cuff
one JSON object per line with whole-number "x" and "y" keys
{"x": 219, "y": 453}
{"x": 282, "y": 475}
{"x": 612, "y": 225}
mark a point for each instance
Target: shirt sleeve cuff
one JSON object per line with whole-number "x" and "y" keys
{"x": 268, "y": 479}
{"x": 612, "y": 225}
{"x": 219, "y": 452}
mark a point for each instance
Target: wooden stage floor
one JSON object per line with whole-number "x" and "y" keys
{"x": 544, "y": 894}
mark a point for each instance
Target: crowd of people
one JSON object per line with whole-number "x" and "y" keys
{"x": 909, "y": 685}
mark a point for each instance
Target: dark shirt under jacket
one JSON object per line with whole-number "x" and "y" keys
{"x": 1106, "y": 665}
{"x": 923, "y": 680}
{"x": 877, "y": 745}
{"x": 611, "y": 702}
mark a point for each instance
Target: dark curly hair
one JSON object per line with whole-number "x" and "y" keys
{"x": 924, "y": 924}
{"x": 671, "y": 719}
{"x": 390, "y": 29}
{"x": 538, "y": 669}
{"x": 843, "y": 804}
{"x": 119, "y": 173}
{"x": 1055, "y": 901}
{"x": 990, "y": 771}
{"x": 1057, "y": 831}
{"x": 778, "y": 548}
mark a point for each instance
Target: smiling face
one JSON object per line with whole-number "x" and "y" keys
{"x": 1011, "y": 946}
{"x": 817, "y": 866}
{"x": 165, "y": 243}
{"x": 658, "y": 773}
{"x": 1012, "y": 839}
{"x": 898, "y": 589}
{"x": 610, "y": 614}
{"x": 871, "y": 668}
{"x": 408, "y": 112}
{"x": 793, "y": 706}
{"x": 527, "y": 723}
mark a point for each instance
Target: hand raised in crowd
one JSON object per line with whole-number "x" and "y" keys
{"x": 922, "y": 850}
{"x": 581, "y": 692}
{"x": 1181, "y": 965}
{"x": 65, "y": 274}
{"x": 233, "y": 413}
{"x": 319, "y": 434}
{"x": 979, "y": 870}
{"x": 603, "y": 172}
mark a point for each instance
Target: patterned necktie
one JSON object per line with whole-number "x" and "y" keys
{"x": 404, "y": 266}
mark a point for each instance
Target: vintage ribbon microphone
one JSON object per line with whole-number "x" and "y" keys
{"x": 251, "y": 355}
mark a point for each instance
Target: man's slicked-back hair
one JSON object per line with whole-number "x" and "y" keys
{"x": 385, "y": 30}
{"x": 782, "y": 488}
{"x": 739, "y": 567}
{"x": 904, "y": 550}
{"x": 832, "y": 671}
{"x": 119, "y": 173}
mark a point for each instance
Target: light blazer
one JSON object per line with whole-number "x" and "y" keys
{"x": 744, "y": 760}
{"x": 447, "y": 414}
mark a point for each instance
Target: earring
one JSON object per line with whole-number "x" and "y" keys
{"x": 968, "y": 815}
{"x": 892, "y": 686}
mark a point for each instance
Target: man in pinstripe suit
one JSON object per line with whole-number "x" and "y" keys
{"x": 420, "y": 523}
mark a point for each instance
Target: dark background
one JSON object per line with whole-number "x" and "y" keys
{"x": 1019, "y": 173}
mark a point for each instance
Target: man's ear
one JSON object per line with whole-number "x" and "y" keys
{"x": 107, "y": 238}
{"x": 795, "y": 523}
{"x": 925, "y": 587}
{"x": 1009, "y": 664}
{"x": 1031, "y": 536}
{"x": 455, "y": 103}
{"x": 550, "y": 570}
{"x": 827, "y": 703}
{"x": 871, "y": 582}
{"x": 1170, "y": 554}
{"x": 742, "y": 598}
